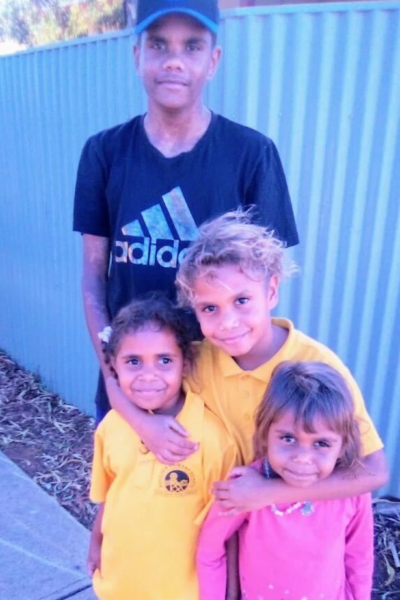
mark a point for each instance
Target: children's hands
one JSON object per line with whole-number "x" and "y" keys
{"x": 165, "y": 437}
{"x": 161, "y": 434}
{"x": 245, "y": 490}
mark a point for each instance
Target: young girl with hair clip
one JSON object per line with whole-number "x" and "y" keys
{"x": 321, "y": 550}
{"x": 144, "y": 538}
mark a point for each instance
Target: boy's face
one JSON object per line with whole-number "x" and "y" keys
{"x": 175, "y": 57}
{"x": 150, "y": 366}
{"x": 299, "y": 457}
{"x": 234, "y": 313}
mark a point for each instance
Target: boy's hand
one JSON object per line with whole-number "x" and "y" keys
{"x": 245, "y": 490}
{"x": 161, "y": 434}
{"x": 165, "y": 437}
{"x": 94, "y": 557}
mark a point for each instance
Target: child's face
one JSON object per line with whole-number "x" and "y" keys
{"x": 150, "y": 366}
{"x": 175, "y": 58}
{"x": 302, "y": 458}
{"x": 234, "y": 313}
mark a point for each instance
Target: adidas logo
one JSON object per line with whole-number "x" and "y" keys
{"x": 171, "y": 221}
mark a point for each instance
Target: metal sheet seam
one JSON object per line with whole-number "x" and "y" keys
{"x": 312, "y": 8}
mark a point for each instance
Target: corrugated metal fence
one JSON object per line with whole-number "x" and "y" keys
{"x": 323, "y": 81}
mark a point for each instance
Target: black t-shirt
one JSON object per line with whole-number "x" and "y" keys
{"x": 150, "y": 206}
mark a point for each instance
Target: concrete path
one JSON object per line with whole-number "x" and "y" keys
{"x": 42, "y": 548}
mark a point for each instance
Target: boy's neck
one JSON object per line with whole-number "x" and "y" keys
{"x": 176, "y": 132}
{"x": 255, "y": 359}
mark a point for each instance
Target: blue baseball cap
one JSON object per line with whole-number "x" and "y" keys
{"x": 205, "y": 11}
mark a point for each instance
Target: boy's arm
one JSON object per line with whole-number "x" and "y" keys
{"x": 359, "y": 551}
{"x": 161, "y": 434}
{"x": 96, "y": 252}
{"x": 247, "y": 490}
{"x": 96, "y": 539}
{"x": 250, "y": 491}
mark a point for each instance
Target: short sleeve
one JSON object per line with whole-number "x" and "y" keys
{"x": 101, "y": 474}
{"x": 268, "y": 192}
{"x": 90, "y": 205}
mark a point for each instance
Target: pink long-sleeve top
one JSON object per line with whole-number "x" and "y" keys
{"x": 327, "y": 555}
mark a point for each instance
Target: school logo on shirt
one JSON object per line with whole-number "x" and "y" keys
{"x": 178, "y": 480}
{"x": 170, "y": 221}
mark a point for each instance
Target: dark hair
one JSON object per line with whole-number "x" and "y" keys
{"x": 153, "y": 309}
{"x": 309, "y": 390}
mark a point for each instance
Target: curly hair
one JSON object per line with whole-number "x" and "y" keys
{"x": 309, "y": 390}
{"x": 156, "y": 310}
{"x": 232, "y": 239}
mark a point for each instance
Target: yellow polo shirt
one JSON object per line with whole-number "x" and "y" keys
{"x": 234, "y": 394}
{"x": 153, "y": 511}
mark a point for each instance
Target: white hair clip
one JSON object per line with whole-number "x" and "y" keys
{"x": 104, "y": 335}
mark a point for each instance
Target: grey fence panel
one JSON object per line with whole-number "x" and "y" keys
{"x": 51, "y": 100}
{"x": 323, "y": 81}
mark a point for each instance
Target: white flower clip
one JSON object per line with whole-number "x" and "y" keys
{"x": 104, "y": 335}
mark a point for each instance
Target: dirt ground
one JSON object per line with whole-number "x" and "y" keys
{"x": 52, "y": 442}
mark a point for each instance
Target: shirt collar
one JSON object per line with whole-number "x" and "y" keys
{"x": 230, "y": 368}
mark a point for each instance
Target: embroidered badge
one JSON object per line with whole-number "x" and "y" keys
{"x": 177, "y": 481}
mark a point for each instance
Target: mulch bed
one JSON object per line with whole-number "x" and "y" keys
{"x": 52, "y": 442}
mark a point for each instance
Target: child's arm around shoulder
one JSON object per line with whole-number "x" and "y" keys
{"x": 359, "y": 550}
{"x": 162, "y": 434}
{"x": 248, "y": 490}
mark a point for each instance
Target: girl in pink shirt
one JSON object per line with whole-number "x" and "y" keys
{"x": 305, "y": 428}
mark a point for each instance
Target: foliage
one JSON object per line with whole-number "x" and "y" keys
{"x": 37, "y": 22}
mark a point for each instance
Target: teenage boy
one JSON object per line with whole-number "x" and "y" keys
{"x": 145, "y": 186}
